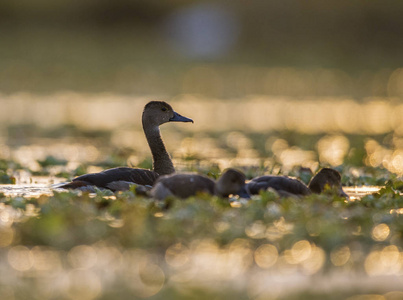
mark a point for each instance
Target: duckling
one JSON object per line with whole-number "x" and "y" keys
{"x": 155, "y": 113}
{"x": 186, "y": 185}
{"x": 327, "y": 177}
{"x": 287, "y": 186}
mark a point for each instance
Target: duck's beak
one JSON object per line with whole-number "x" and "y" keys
{"x": 343, "y": 194}
{"x": 178, "y": 118}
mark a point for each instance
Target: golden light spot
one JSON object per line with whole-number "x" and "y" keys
{"x": 315, "y": 261}
{"x": 177, "y": 255}
{"x": 31, "y": 210}
{"x": 241, "y": 246}
{"x": 301, "y": 251}
{"x": 283, "y": 265}
{"x": 6, "y": 217}
{"x": 116, "y": 223}
{"x": 289, "y": 258}
{"x": 385, "y": 262}
{"x": 6, "y": 236}
{"x": 238, "y": 140}
{"x": 279, "y": 146}
{"x": 159, "y": 214}
{"x": 256, "y": 230}
{"x": 236, "y": 259}
{"x": 278, "y": 229}
{"x": 398, "y": 211}
{"x": 108, "y": 257}
{"x": 380, "y": 232}
{"x": 357, "y": 231}
{"x": 340, "y": 256}
{"x": 371, "y": 146}
{"x": 396, "y": 163}
{"x": 83, "y": 284}
{"x": 142, "y": 275}
{"x": 82, "y": 257}
{"x": 391, "y": 259}
{"x": 345, "y": 116}
{"x": 236, "y": 204}
{"x": 45, "y": 259}
{"x": 20, "y": 258}
{"x": 266, "y": 256}
{"x": 333, "y": 149}
{"x": 152, "y": 279}
{"x": 379, "y": 113}
{"x": 295, "y": 156}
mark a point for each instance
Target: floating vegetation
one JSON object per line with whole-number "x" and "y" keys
{"x": 108, "y": 246}
{"x": 79, "y": 245}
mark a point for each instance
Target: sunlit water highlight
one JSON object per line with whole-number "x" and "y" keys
{"x": 42, "y": 186}
{"x": 38, "y": 189}
{"x": 232, "y": 120}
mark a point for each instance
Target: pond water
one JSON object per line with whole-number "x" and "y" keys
{"x": 42, "y": 188}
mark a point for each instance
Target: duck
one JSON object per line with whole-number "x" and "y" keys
{"x": 292, "y": 187}
{"x": 155, "y": 113}
{"x": 184, "y": 185}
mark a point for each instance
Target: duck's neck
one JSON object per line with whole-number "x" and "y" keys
{"x": 162, "y": 162}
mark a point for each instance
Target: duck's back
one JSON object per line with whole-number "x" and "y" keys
{"x": 278, "y": 183}
{"x": 102, "y": 179}
{"x": 182, "y": 185}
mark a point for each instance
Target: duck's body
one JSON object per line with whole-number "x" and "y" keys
{"x": 278, "y": 183}
{"x": 187, "y": 185}
{"x": 105, "y": 178}
{"x": 155, "y": 114}
{"x": 327, "y": 178}
{"x": 287, "y": 186}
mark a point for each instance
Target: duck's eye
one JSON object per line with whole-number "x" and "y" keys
{"x": 164, "y": 109}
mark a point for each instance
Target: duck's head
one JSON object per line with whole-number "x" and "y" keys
{"x": 156, "y": 113}
{"x": 230, "y": 182}
{"x": 327, "y": 178}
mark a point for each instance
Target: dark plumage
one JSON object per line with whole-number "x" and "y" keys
{"x": 187, "y": 185}
{"x": 287, "y": 186}
{"x": 155, "y": 113}
{"x": 278, "y": 183}
{"x": 104, "y": 178}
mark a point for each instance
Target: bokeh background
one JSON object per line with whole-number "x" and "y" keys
{"x": 268, "y": 83}
{"x": 271, "y": 85}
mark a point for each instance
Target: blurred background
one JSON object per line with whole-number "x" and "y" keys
{"x": 268, "y": 83}
{"x": 271, "y": 85}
